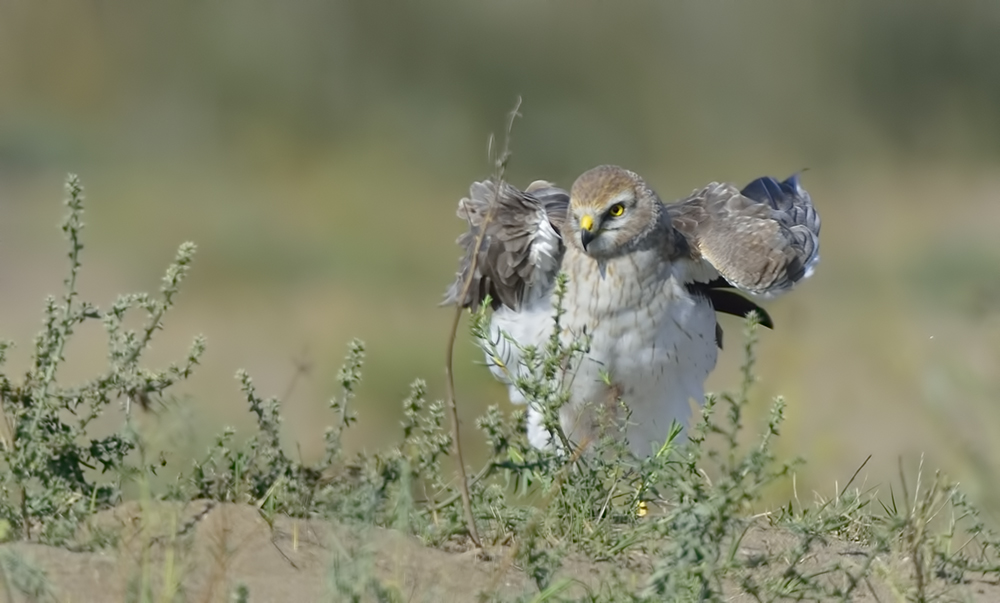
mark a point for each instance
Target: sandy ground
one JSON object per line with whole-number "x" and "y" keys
{"x": 200, "y": 552}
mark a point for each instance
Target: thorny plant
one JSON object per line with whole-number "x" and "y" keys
{"x": 580, "y": 498}
{"x": 56, "y": 473}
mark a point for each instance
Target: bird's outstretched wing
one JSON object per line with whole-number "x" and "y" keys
{"x": 522, "y": 246}
{"x": 763, "y": 239}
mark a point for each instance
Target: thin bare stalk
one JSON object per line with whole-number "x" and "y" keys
{"x": 500, "y": 169}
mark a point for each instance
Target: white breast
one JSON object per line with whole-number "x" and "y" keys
{"x": 652, "y": 344}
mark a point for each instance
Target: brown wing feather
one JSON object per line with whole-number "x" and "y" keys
{"x": 762, "y": 240}
{"x": 521, "y": 245}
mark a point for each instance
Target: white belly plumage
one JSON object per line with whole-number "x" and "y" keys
{"x": 652, "y": 345}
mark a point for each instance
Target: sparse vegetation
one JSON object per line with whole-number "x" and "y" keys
{"x": 57, "y": 473}
{"x": 586, "y": 522}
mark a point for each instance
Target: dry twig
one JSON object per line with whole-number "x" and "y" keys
{"x": 499, "y": 171}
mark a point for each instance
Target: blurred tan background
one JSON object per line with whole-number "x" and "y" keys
{"x": 315, "y": 151}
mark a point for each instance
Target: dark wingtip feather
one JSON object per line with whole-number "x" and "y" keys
{"x": 769, "y": 190}
{"x": 730, "y": 302}
{"x": 793, "y": 182}
{"x": 765, "y": 318}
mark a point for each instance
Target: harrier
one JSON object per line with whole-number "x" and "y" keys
{"x": 644, "y": 280}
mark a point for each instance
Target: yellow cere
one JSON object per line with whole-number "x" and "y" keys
{"x": 587, "y": 223}
{"x": 616, "y": 210}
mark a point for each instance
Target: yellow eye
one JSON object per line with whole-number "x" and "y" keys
{"x": 616, "y": 210}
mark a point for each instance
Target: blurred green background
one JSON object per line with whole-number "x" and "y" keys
{"x": 315, "y": 152}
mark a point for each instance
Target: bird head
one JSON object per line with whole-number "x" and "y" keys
{"x": 611, "y": 211}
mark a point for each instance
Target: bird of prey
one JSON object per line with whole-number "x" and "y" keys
{"x": 644, "y": 281}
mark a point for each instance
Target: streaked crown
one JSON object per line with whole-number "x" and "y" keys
{"x": 599, "y": 186}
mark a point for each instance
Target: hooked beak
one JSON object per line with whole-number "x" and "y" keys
{"x": 587, "y": 233}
